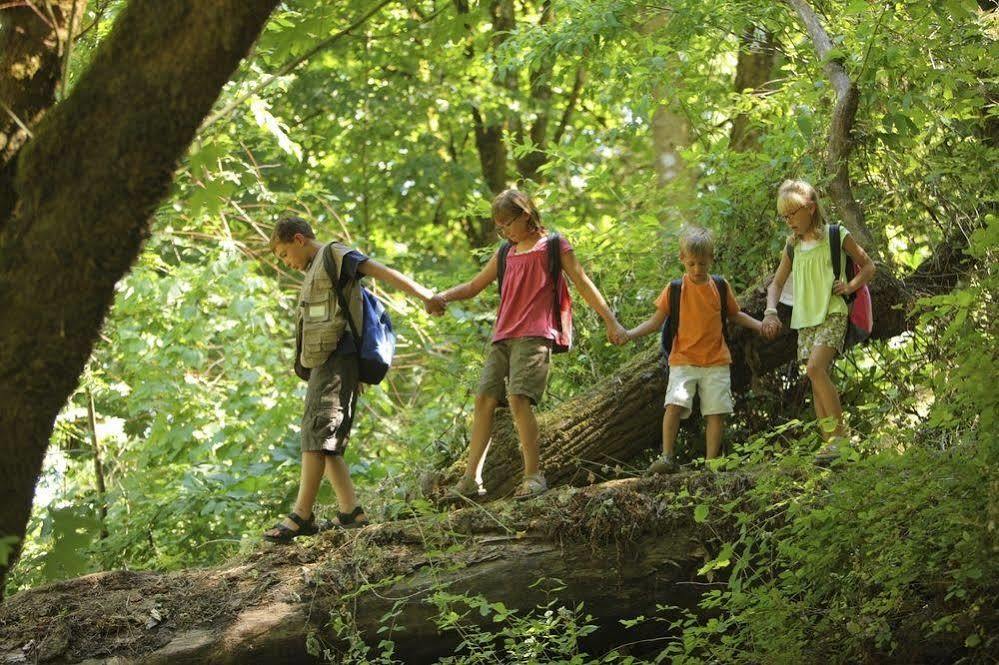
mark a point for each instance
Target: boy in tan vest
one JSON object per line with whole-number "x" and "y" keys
{"x": 326, "y": 356}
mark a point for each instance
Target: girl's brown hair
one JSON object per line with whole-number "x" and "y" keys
{"x": 513, "y": 203}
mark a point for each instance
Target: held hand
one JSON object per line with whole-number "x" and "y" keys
{"x": 435, "y": 305}
{"x": 617, "y": 334}
{"x": 771, "y": 327}
{"x": 841, "y": 289}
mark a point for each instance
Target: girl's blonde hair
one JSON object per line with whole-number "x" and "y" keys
{"x": 792, "y": 195}
{"x": 513, "y": 203}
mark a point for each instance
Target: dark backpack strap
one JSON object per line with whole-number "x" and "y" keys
{"x": 675, "y": 293}
{"x": 501, "y": 264}
{"x": 330, "y": 265}
{"x": 834, "y": 250}
{"x": 722, "y": 287}
{"x": 555, "y": 274}
{"x": 789, "y": 250}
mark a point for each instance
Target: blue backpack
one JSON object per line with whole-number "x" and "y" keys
{"x": 376, "y": 341}
{"x": 672, "y": 323}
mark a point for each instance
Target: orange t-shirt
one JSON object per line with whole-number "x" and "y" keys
{"x": 700, "y": 340}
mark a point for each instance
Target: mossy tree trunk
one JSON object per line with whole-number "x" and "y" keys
{"x": 79, "y": 195}
{"x": 619, "y": 549}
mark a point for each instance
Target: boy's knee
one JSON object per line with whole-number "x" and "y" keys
{"x": 519, "y": 403}
{"x": 487, "y": 402}
{"x": 673, "y": 411}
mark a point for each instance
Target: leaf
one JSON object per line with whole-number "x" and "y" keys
{"x": 701, "y": 513}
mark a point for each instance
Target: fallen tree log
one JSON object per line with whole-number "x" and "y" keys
{"x": 619, "y": 548}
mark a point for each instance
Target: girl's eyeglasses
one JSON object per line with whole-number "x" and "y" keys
{"x": 787, "y": 217}
{"x": 508, "y": 222}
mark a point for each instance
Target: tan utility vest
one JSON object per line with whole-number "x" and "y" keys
{"x": 320, "y": 321}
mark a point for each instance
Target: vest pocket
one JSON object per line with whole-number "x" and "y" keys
{"x": 316, "y": 311}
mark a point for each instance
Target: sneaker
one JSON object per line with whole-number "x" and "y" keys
{"x": 663, "y": 465}
{"x": 531, "y": 487}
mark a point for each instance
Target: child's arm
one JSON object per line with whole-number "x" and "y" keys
{"x": 383, "y": 273}
{"x": 473, "y": 287}
{"x": 861, "y": 259}
{"x": 650, "y": 325}
{"x": 746, "y": 321}
{"x": 739, "y": 317}
{"x": 586, "y": 288}
{"x": 771, "y": 324}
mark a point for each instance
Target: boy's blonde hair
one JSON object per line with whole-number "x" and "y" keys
{"x": 792, "y": 195}
{"x": 698, "y": 242}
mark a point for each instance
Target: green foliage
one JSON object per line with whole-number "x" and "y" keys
{"x": 373, "y": 138}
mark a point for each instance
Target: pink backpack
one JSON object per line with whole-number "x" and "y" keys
{"x": 860, "y": 321}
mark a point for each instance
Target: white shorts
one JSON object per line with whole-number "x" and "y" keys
{"x": 714, "y": 384}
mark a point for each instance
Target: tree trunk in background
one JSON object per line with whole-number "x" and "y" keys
{"x": 31, "y": 57}
{"x": 840, "y": 139}
{"x": 619, "y": 549}
{"x": 757, "y": 57}
{"x": 493, "y": 128}
{"x": 620, "y": 419}
{"x": 84, "y": 189}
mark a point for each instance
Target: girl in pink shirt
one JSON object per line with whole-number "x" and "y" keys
{"x": 526, "y": 331}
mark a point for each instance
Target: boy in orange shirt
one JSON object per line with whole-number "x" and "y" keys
{"x": 699, "y": 358}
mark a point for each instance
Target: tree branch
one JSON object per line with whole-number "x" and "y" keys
{"x": 291, "y": 66}
{"x": 840, "y": 127}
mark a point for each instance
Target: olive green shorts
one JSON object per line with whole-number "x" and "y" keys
{"x": 517, "y": 366}
{"x": 329, "y": 405}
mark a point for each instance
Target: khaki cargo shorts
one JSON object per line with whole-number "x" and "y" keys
{"x": 329, "y": 405}
{"x": 517, "y": 366}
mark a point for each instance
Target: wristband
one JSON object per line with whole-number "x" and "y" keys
{"x": 770, "y": 310}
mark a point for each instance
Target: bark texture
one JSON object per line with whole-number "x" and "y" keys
{"x": 757, "y": 58}
{"x": 84, "y": 188}
{"x": 619, "y": 548}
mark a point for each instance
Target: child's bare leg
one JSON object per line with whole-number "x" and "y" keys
{"x": 482, "y": 427}
{"x": 671, "y": 425}
{"x": 308, "y": 487}
{"x": 339, "y": 476}
{"x": 714, "y": 425}
{"x": 824, "y": 390}
{"x": 527, "y": 430}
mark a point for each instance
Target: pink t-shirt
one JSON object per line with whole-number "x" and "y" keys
{"x": 526, "y": 301}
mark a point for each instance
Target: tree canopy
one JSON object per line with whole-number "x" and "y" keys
{"x": 390, "y": 126}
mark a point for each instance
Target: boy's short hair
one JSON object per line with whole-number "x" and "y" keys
{"x": 286, "y": 229}
{"x": 697, "y": 242}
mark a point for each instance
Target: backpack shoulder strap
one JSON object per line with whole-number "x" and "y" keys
{"x": 330, "y": 265}
{"x": 789, "y": 250}
{"x": 554, "y": 246}
{"x": 555, "y": 257}
{"x": 834, "y": 250}
{"x": 501, "y": 264}
{"x": 722, "y": 287}
{"x": 675, "y": 292}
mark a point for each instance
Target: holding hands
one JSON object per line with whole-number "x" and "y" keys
{"x": 771, "y": 326}
{"x": 617, "y": 333}
{"x": 435, "y": 304}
